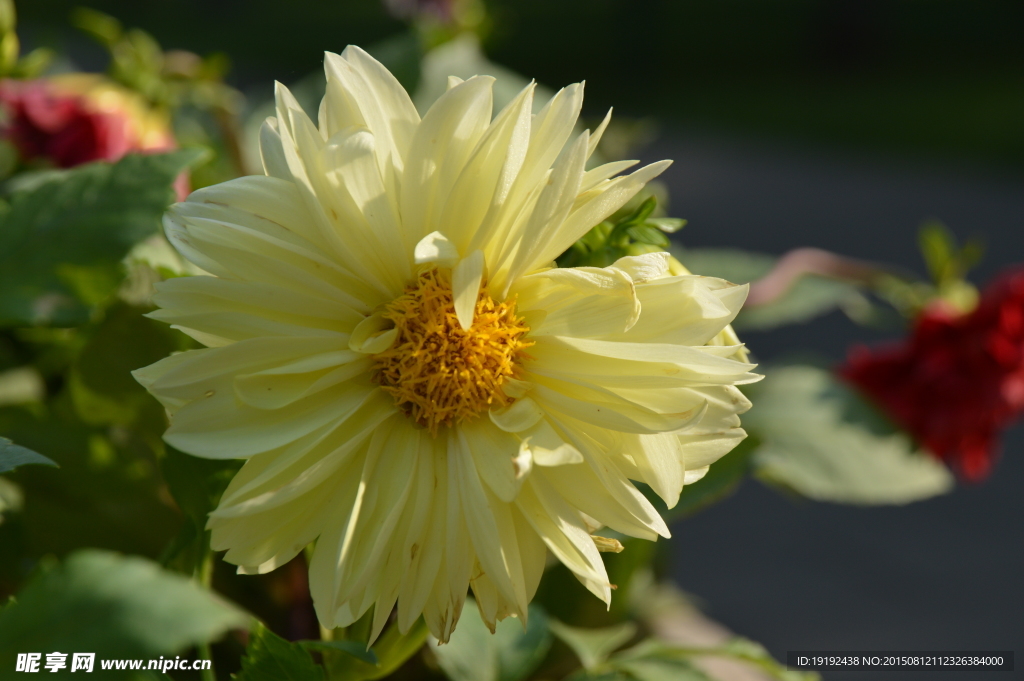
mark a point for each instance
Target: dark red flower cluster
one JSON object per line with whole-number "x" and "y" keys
{"x": 958, "y": 380}
{"x": 43, "y": 123}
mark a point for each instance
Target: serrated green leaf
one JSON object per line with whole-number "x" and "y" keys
{"x": 61, "y": 241}
{"x": 593, "y": 646}
{"x": 268, "y": 657}
{"x": 820, "y": 439}
{"x": 509, "y": 654}
{"x": 116, "y": 606}
{"x": 354, "y": 648}
{"x": 12, "y": 456}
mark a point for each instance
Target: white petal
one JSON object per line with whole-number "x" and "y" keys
{"x": 271, "y": 154}
{"x": 547, "y": 447}
{"x": 493, "y": 452}
{"x": 436, "y": 248}
{"x": 520, "y": 415}
{"x": 466, "y": 279}
{"x": 439, "y": 150}
{"x": 480, "y": 191}
{"x": 373, "y": 335}
{"x": 614, "y": 195}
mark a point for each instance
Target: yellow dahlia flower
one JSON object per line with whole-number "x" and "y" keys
{"x": 413, "y": 384}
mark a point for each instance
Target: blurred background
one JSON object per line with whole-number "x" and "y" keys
{"x": 840, "y": 124}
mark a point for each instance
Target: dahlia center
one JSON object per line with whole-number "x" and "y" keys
{"x": 439, "y": 373}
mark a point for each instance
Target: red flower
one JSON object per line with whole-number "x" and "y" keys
{"x": 958, "y": 381}
{"x": 77, "y": 118}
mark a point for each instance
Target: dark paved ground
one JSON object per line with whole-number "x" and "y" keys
{"x": 944, "y": 574}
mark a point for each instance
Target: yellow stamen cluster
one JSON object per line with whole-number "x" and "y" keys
{"x": 439, "y": 373}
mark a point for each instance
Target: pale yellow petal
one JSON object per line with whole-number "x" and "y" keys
{"x": 466, "y": 279}
{"x": 436, "y": 248}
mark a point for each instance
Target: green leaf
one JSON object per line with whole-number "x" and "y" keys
{"x": 584, "y": 675}
{"x": 811, "y": 296}
{"x": 269, "y": 657}
{"x": 12, "y": 456}
{"x": 593, "y": 646}
{"x": 655, "y": 668}
{"x": 739, "y": 267}
{"x": 653, "y": 660}
{"x": 629, "y": 231}
{"x": 646, "y": 234}
{"x": 107, "y": 493}
{"x": 62, "y": 242}
{"x": 755, "y": 654}
{"x": 102, "y": 387}
{"x": 511, "y": 653}
{"x": 820, "y": 439}
{"x": 938, "y": 247}
{"x": 116, "y": 606}
{"x": 647, "y": 661}
{"x": 354, "y": 648}
{"x": 391, "y": 651}
{"x": 196, "y": 485}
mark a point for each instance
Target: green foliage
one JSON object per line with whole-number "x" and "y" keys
{"x": 821, "y": 440}
{"x": 101, "y": 383}
{"x": 652, "y": 667}
{"x": 511, "y": 653}
{"x": 106, "y": 494}
{"x": 628, "y": 232}
{"x": 653, "y": 660}
{"x": 116, "y": 606}
{"x": 354, "y": 648}
{"x": 12, "y": 456}
{"x": 811, "y": 296}
{"x": 196, "y": 485}
{"x": 593, "y": 646}
{"x": 12, "y": 65}
{"x": 62, "y": 242}
{"x": 948, "y": 265}
{"x": 946, "y": 262}
{"x": 269, "y": 657}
